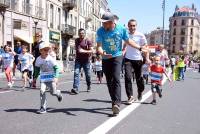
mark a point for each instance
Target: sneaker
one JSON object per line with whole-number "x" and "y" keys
{"x": 60, "y": 98}
{"x": 41, "y": 111}
{"x": 9, "y": 84}
{"x": 30, "y": 83}
{"x": 139, "y": 96}
{"x": 115, "y": 110}
{"x": 88, "y": 88}
{"x": 74, "y": 91}
{"x": 153, "y": 102}
{"x": 130, "y": 100}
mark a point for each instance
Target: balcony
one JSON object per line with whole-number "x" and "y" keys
{"x": 89, "y": 18}
{"x": 3, "y": 5}
{"x": 69, "y": 4}
{"x": 68, "y": 30}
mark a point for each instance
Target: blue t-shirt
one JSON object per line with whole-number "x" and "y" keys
{"x": 112, "y": 40}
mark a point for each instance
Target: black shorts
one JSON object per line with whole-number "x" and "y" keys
{"x": 156, "y": 88}
{"x": 16, "y": 61}
{"x": 99, "y": 74}
{"x": 25, "y": 71}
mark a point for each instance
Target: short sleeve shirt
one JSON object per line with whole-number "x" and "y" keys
{"x": 112, "y": 40}
{"x": 45, "y": 65}
{"x": 156, "y": 74}
{"x": 8, "y": 59}
{"x": 25, "y": 60}
{"x": 133, "y": 53}
{"x": 84, "y": 44}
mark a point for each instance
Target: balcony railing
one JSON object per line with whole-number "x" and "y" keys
{"x": 68, "y": 30}
{"x": 69, "y": 4}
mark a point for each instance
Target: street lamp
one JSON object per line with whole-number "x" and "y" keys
{"x": 163, "y": 33}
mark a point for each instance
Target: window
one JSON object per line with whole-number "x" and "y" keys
{"x": 192, "y": 22}
{"x": 182, "y": 41}
{"x": 71, "y": 19}
{"x": 59, "y": 18}
{"x": 174, "y": 40}
{"x": 191, "y": 40}
{"x": 183, "y": 23}
{"x": 182, "y": 31}
{"x": 173, "y": 49}
{"x": 174, "y": 22}
{"x": 174, "y": 32}
{"x": 191, "y": 31}
{"x": 51, "y": 16}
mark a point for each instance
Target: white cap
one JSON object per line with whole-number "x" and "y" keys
{"x": 43, "y": 45}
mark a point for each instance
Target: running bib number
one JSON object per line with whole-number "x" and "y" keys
{"x": 46, "y": 77}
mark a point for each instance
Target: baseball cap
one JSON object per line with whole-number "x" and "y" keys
{"x": 108, "y": 16}
{"x": 43, "y": 45}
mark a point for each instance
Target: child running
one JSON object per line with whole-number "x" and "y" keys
{"x": 98, "y": 68}
{"x": 156, "y": 73}
{"x": 26, "y": 60}
{"x": 48, "y": 69}
{"x": 8, "y": 59}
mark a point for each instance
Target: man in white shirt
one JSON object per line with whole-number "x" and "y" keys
{"x": 134, "y": 60}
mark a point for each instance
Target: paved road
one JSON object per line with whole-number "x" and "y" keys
{"x": 177, "y": 112}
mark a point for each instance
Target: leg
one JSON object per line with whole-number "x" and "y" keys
{"x": 128, "y": 78}
{"x": 77, "y": 69}
{"x": 137, "y": 65}
{"x": 53, "y": 90}
{"x": 8, "y": 74}
{"x": 106, "y": 64}
{"x": 43, "y": 96}
{"x": 116, "y": 84}
{"x": 86, "y": 68}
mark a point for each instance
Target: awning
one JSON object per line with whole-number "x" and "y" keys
{"x": 23, "y": 35}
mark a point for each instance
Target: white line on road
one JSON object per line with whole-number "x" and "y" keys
{"x": 6, "y": 91}
{"x": 110, "y": 123}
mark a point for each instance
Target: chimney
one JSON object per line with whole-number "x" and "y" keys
{"x": 176, "y": 8}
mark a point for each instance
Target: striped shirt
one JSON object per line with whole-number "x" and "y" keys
{"x": 156, "y": 74}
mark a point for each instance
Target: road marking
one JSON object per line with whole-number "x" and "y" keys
{"x": 5, "y": 91}
{"x": 110, "y": 123}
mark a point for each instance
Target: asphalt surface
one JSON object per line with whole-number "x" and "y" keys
{"x": 177, "y": 112}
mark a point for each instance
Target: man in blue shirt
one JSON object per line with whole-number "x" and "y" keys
{"x": 109, "y": 45}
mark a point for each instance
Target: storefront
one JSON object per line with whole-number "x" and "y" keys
{"x": 55, "y": 40}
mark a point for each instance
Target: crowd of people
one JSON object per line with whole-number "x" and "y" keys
{"x": 113, "y": 57}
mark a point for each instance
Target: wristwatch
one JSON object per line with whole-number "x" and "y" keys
{"x": 140, "y": 48}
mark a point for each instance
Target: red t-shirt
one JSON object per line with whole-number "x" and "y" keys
{"x": 156, "y": 74}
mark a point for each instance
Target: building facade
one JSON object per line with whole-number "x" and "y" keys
{"x": 21, "y": 19}
{"x": 185, "y": 30}
{"x": 156, "y": 36}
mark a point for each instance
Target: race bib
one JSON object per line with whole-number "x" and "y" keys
{"x": 47, "y": 77}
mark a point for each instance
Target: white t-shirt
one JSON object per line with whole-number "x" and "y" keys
{"x": 133, "y": 53}
{"x": 45, "y": 65}
{"x": 46, "y": 68}
{"x": 173, "y": 61}
{"x": 26, "y": 61}
{"x": 8, "y": 59}
{"x": 98, "y": 65}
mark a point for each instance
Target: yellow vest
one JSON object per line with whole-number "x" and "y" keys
{"x": 181, "y": 63}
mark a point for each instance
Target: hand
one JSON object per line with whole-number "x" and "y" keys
{"x": 144, "y": 49}
{"x": 123, "y": 52}
{"x": 81, "y": 50}
{"x": 107, "y": 55}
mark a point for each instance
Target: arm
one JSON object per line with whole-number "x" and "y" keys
{"x": 102, "y": 52}
{"x": 36, "y": 72}
{"x": 90, "y": 51}
{"x": 56, "y": 71}
{"x": 124, "y": 49}
{"x": 167, "y": 76}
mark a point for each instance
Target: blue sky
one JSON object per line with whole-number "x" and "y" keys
{"x": 148, "y": 13}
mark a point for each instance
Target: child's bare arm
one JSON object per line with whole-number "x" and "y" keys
{"x": 167, "y": 76}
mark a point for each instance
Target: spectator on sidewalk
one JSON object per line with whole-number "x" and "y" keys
{"x": 84, "y": 49}
{"x": 109, "y": 45}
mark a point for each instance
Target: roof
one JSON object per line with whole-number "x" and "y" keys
{"x": 185, "y": 9}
